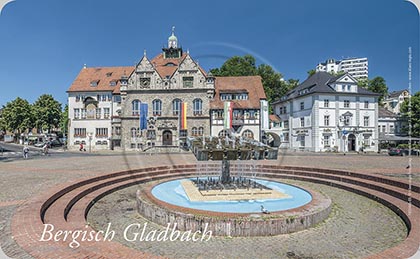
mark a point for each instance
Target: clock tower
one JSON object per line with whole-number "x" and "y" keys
{"x": 172, "y": 51}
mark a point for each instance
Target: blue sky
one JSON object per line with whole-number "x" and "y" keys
{"x": 44, "y": 43}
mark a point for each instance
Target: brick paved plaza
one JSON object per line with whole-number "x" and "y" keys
{"x": 356, "y": 228}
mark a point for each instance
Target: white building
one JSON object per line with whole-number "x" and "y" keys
{"x": 356, "y": 67}
{"x": 94, "y": 102}
{"x": 394, "y": 100}
{"x": 326, "y": 113}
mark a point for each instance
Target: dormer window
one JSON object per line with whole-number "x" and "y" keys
{"x": 113, "y": 83}
{"x": 109, "y": 74}
{"x": 170, "y": 64}
{"x": 94, "y": 83}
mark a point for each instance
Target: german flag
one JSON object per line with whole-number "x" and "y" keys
{"x": 183, "y": 116}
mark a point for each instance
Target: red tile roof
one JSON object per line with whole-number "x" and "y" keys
{"x": 160, "y": 64}
{"x": 274, "y": 118}
{"x": 104, "y": 75}
{"x": 234, "y": 84}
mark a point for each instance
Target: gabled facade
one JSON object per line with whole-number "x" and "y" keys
{"x": 106, "y": 104}
{"x": 394, "y": 100}
{"x": 327, "y": 113}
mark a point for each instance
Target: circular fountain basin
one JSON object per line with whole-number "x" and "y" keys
{"x": 172, "y": 192}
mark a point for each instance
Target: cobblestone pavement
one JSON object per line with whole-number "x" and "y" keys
{"x": 20, "y": 179}
{"x": 356, "y": 227}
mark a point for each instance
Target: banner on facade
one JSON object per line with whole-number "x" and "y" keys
{"x": 228, "y": 109}
{"x": 144, "y": 109}
{"x": 183, "y": 116}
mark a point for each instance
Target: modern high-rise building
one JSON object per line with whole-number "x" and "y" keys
{"x": 356, "y": 67}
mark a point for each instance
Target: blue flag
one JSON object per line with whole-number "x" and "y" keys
{"x": 144, "y": 109}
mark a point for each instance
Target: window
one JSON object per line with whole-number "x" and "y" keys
{"x": 383, "y": 128}
{"x": 366, "y": 121}
{"x": 135, "y": 107}
{"x": 176, "y": 106}
{"x": 326, "y": 120}
{"x": 80, "y": 132}
{"x": 98, "y": 113}
{"x": 285, "y": 109}
{"x": 198, "y": 107}
{"x": 117, "y": 98}
{"x": 94, "y": 83}
{"x": 78, "y": 98}
{"x": 83, "y": 111}
{"x": 347, "y": 120}
{"x": 112, "y": 83}
{"x": 326, "y": 103}
{"x": 366, "y": 104}
{"x": 200, "y": 131}
{"x": 157, "y": 107}
{"x": 194, "y": 131}
{"x": 301, "y": 141}
{"x": 101, "y": 132}
{"x": 348, "y": 88}
{"x": 133, "y": 132}
{"x": 391, "y": 129}
{"x": 109, "y": 74}
{"x": 346, "y": 103}
{"x": 326, "y": 141}
{"x": 286, "y": 124}
{"x": 281, "y": 110}
{"x": 302, "y": 122}
{"x": 117, "y": 131}
{"x": 76, "y": 114}
{"x": 366, "y": 141}
{"x": 248, "y": 134}
{"x": 187, "y": 81}
{"x": 222, "y": 133}
{"x": 302, "y": 106}
{"x": 106, "y": 113}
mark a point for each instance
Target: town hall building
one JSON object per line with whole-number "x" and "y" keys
{"x": 160, "y": 102}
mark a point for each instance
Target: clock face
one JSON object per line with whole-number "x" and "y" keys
{"x": 145, "y": 81}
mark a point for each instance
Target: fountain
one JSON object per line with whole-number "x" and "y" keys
{"x": 211, "y": 149}
{"x": 226, "y": 194}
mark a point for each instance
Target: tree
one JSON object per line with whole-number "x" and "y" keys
{"x": 412, "y": 114}
{"x": 64, "y": 122}
{"x": 47, "y": 113}
{"x": 363, "y": 82}
{"x": 237, "y": 66}
{"x": 18, "y": 116}
{"x": 378, "y": 85}
{"x": 274, "y": 85}
{"x": 311, "y": 72}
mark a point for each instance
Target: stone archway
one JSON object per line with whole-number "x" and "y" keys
{"x": 167, "y": 138}
{"x": 273, "y": 140}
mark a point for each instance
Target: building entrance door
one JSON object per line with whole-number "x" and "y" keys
{"x": 352, "y": 142}
{"x": 167, "y": 138}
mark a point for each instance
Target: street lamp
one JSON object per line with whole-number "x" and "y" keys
{"x": 90, "y": 134}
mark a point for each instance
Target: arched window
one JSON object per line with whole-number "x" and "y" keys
{"x": 133, "y": 132}
{"x": 176, "y": 106}
{"x": 194, "y": 131}
{"x": 200, "y": 131}
{"x": 135, "y": 107}
{"x": 198, "y": 107}
{"x": 222, "y": 133}
{"x": 157, "y": 107}
{"x": 248, "y": 134}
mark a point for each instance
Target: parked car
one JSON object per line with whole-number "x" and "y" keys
{"x": 55, "y": 143}
{"x": 403, "y": 152}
